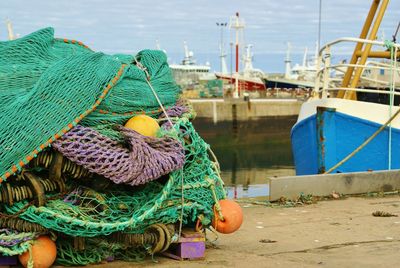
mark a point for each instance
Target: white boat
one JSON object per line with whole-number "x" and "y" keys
{"x": 188, "y": 72}
{"x": 348, "y": 125}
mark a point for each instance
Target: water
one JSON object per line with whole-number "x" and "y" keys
{"x": 249, "y": 152}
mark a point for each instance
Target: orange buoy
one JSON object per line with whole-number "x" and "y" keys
{"x": 233, "y": 217}
{"x": 143, "y": 124}
{"x": 44, "y": 253}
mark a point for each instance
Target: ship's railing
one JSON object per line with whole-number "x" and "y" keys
{"x": 329, "y": 76}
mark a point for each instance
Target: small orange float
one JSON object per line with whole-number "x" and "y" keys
{"x": 233, "y": 217}
{"x": 143, "y": 124}
{"x": 44, "y": 253}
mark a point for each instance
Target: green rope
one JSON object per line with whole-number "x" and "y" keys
{"x": 19, "y": 248}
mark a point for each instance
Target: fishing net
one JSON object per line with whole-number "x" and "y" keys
{"x": 49, "y": 85}
{"x": 58, "y": 95}
{"x": 13, "y": 242}
{"x": 97, "y": 250}
{"x": 147, "y": 159}
{"x": 133, "y": 209}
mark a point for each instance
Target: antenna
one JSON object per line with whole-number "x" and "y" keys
{"x": 221, "y": 47}
{"x": 305, "y": 63}
{"x": 319, "y": 24}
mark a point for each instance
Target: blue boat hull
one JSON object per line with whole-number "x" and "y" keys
{"x": 325, "y": 138}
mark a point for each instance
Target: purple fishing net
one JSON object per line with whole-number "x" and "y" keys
{"x": 177, "y": 110}
{"x": 10, "y": 242}
{"x": 180, "y": 108}
{"x": 144, "y": 160}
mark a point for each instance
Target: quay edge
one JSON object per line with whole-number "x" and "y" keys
{"x": 232, "y": 109}
{"x": 292, "y": 187}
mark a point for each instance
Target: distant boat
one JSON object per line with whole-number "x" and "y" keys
{"x": 245, "y": 82}
{"x": 352, "y": 125}
{"x": 298, "y": 76}
{"x": 188, "y": 72}
{"x": 248, "y": 80}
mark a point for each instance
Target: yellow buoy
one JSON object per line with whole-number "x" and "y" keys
{"x": 144, "y": 125}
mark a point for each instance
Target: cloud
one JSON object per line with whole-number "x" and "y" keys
{"x": 127, "y": 25}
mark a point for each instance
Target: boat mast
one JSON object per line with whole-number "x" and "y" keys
{"x": 237, "y": 42}
{"x": 224, "y": 69}
{"x": 248, "y": 62}
{"x": 11, "y": 35}
{"x": 288, "y": 62}
{"x": 238, "y": 25}
{"x": 186, "y": 59}
{"x": 305, "y": 62}
{"x": 158, "y": 47}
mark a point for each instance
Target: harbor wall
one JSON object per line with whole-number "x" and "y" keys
{"x": 292, "y": 187}
{"x": 229, "y": 110}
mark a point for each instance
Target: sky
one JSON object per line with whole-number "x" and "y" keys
{"x": 128, "y": 26}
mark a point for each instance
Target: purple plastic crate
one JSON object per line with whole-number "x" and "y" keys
{"x": 8, "y": 260}
{"x": 191, "y": 250}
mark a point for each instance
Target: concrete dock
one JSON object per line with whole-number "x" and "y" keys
{"x": 231, "y": 109}
{"x": 343, "y": 183}
{"x": 336, "y": 233}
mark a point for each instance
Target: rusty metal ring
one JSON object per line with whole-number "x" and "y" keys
{"x": 160, "y": 238}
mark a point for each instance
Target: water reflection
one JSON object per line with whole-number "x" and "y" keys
{"x": 250, "y": 151}
{"x": 239, "y": 191}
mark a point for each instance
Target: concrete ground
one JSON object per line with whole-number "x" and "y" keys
{"x": 334, "y": 233}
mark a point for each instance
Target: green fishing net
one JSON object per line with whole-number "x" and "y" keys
{"x": 134, "y": 209}
{"x": 48, "y": 86}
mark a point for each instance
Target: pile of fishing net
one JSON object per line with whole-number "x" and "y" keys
{"x": 69, "y": 168}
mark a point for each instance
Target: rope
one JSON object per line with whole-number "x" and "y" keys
{"x": 217, "y": 206}
{"x": 344, "y": 160}
{"x": 390, "y": 45}
{"x": 143, "y": 68}
{"x": 15, "y": 243}
{"x": 30, "y": 260}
